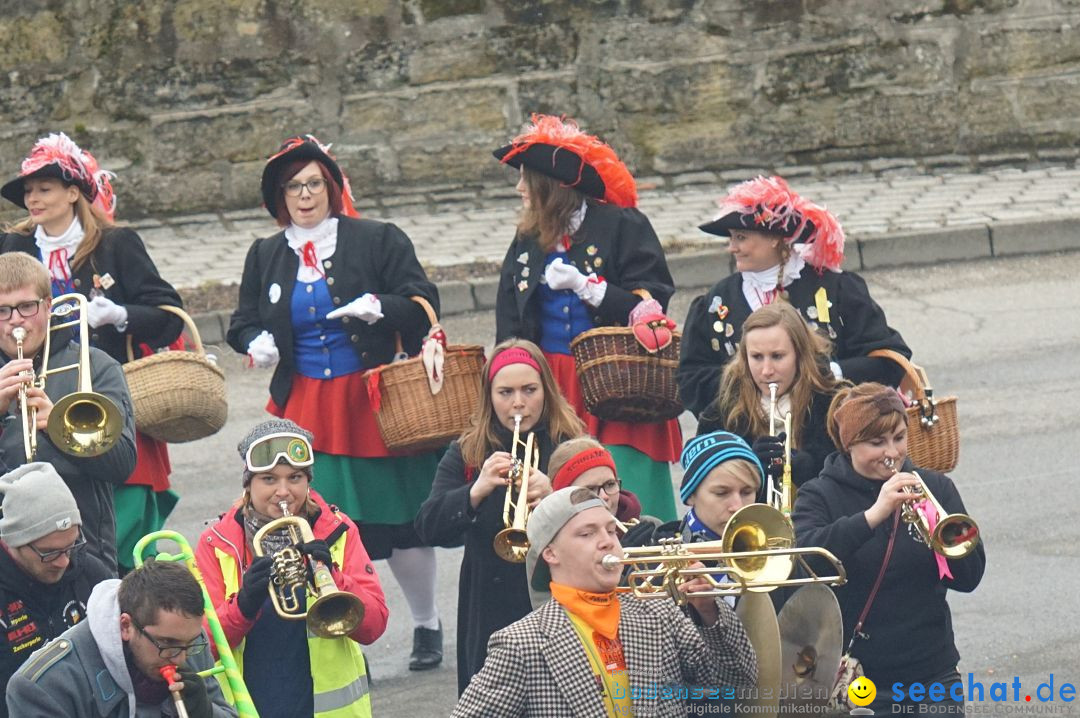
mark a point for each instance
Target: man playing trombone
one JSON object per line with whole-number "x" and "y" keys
{"x": 94, "y": 446}
{"x": 114, "y": 664}
{"x": 591, "y": 651}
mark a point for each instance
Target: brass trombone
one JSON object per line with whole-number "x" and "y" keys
{"x": 952, "y": 535}
{"x": 512, "y": 542}
{"x": 334, "y": 612}
{"x": 84, "y": 422}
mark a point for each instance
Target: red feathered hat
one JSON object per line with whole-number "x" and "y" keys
{"x": 556, "y": 147}
{"x": 304, "y": 147}
{"x": 59, "y": 157}
{"x": 769, "y": 205}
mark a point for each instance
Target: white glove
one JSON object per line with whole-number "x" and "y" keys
{"x": 560, "y": 275}
{"x": 263, "y": 351}
{"x": 366, "y": 307}
{"x": 102, "y": 310}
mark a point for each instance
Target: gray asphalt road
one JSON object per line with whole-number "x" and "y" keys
{"x": 1002, "y": 334}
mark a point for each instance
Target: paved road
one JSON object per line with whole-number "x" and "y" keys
{"x": 872, "y": 202}
{"x": 1002, "y": 334}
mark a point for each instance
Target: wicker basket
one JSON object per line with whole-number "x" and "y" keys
{"x": 410, "y": 417}
{"x": 933, "y": 431}
{"x": 178, "y": 396}
{"x": 620, "y": 381}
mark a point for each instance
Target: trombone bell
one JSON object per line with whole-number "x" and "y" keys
{"x": 758, "y": 528}
{"x": 85, "y": 424}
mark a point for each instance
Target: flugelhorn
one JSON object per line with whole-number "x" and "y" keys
{"x": 334, "y": 612}
{"x": 951, "y": 535}
{"x": 82, "y": 423}
{"x": 512, "y": 542}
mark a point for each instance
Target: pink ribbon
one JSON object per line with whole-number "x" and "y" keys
{"x": 925, "y": 508}
{"x": 310, "y": 258}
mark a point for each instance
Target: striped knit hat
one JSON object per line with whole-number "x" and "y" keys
{"x": 704, "y": 453}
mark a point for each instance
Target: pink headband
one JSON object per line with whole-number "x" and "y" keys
{"x": 513, "y": 355}
{"x": 579, "y": 464}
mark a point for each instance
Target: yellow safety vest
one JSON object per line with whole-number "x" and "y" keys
{"x": 341, "y": 681}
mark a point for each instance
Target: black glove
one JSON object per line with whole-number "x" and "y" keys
{"x": 253, "y": 593}
{"x": 317, "y": 550}
{"x": 770, "y": 452}
{"x": 196, "y": 698}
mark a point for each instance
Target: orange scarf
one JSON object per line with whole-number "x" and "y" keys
{"x": 600, "y": 611}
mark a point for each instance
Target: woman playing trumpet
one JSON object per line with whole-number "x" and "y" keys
{"x": 781, "y": 367}
{"x": 468, "y": 496}
{"x": 289, "y": 671}
{"x": 853, "y": 509}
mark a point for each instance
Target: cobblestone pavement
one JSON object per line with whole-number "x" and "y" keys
{"x": 937, "y": 210}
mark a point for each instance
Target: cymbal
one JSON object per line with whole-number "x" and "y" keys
{"x": 811, "y": 642}
{"x": 758, "y": 617}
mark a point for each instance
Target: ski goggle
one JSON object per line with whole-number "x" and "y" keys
{"x": 264, "y": 454}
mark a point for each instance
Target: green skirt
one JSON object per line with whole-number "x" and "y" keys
{"x": 139, "y": 511}
{"x": 649, "y": 480}
{"x": 386, "y": 490}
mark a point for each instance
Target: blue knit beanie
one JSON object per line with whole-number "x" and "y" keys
{"x": 704, "y": 453}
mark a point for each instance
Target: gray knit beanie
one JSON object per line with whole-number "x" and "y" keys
{"x": 266, "y": 428}
{"x": 36, "y": 502}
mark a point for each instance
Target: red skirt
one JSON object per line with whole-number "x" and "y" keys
{"x": 661, "y": 441}
{"x": 152, "y": 467}
{"x": 337, "y": 411}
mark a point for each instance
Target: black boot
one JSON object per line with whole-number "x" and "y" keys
{"x": 426, "y": 648}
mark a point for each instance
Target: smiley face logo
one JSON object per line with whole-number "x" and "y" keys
{"x": 862, "y": 691}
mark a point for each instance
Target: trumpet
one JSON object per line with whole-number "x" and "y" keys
{"x": 334, "y": 613}
{"x": 84, "y": 422}
{"x": 512, "y": 542}
{"x": 951, "y": 535}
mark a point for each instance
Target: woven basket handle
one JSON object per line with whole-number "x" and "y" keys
{"x": 915, "y": 379}
{"x": 432, "y": 320}
{"x": 188, "y": 323}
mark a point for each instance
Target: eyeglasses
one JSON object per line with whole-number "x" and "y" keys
{"x": 170, "y": 652}
{"x": 610, "y": 487}
{"x": 50, "y": 556}
{"x": 264, "y": 454}
{"x": 25, "y": 309}
{"x": 314, "y": 186}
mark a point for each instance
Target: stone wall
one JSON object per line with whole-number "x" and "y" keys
{"x": 185, "y": 98}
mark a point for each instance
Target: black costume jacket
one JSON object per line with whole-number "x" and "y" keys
{"x": 371, "y": 256}
{"x": 857, "y": 326}
{"x": 617, "y": 244}
{"x": 128, "y": 277}
{"x": 492, "y": 593}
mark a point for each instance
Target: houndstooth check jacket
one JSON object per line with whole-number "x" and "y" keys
{"x": 536, "y": 667}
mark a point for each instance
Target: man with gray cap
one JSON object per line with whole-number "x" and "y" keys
{"x": 45, "y": 580}
{"x": 587, "y": 650}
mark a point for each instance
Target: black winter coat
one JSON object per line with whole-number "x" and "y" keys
{"x": 909, "y": 626}
{"x": 807, "y": 459}
{"x": 371, "y": 256}
{"x": 137, "y": 286}
{"x": 857, "y": 322}
{"x": 617, "y": 244}
{"x": 492, "y": 593}
{"x": 34, "y": 612}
